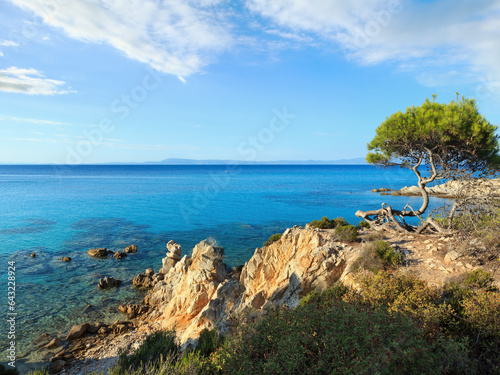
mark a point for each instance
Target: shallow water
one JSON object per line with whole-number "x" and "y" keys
{"x": 64, "y": 212}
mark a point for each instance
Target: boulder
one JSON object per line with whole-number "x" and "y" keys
{"x": 134, "y": 310}
{"x": 120, "y": 255}
{"x": 33, "y": 255}
{"x": 143, "y": 281}
{"x": 168, "y": 264}
{"x": 57, "y": 366}
{"x": 174, "y": 250}
{"x": 66, "y": 259}
{"x": 149, "y": 272}
{"x": 131, "y": 249}
{"x": 108, "y": 282}
{"x": 452, "y": 256}
{"x": 93, "y": 328}
{"x": 55, "y": 343}
{"x": 77, "y": 331}
{"x": 98, "y": 253}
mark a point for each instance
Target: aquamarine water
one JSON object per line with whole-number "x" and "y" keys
{"x": 64, "y": 211}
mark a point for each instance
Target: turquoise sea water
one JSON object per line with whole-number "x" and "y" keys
{"x": 58, "y": 212}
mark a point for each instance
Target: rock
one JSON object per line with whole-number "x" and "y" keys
{"x": 143, "y": 281}
{"x": 108, "y": 282}
{"x": 94, "y": 328}
{"x": 57, "y": 365}
{"x": 98, "y": 253}
{"x": 42, "y": 339}
{"x": 134, "y": 310}
{"x": 168, "y": 264}
{"x": 119, "y": 255}
{"x": 77, "y": 331}
{"x": 175, "y": 250}
{"x": 103, "y": 330}
{"x": 33, "y": 255}
{"x": 131, "y": 249}
{"x": 55, "y": 343}
{"x": 452, "y": 256}
{"x": 149, "y": 272}
{"x": 66, "y": 259}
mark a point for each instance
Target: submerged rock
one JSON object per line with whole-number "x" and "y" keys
{"x": 98, "y": 253}
{"x": 119, "y": 255}
{"x": 131, "y": 249}
{"x": 33, "y": 255}
{"x": 108, "y": 282}
{"x": 77, "y": 331}
{"x": 66, "y": 259}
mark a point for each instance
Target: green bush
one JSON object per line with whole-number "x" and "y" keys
{"x": 347, "y": 233}
{"x": 341, "y": 338}
{"x": 326, "y": 223}
{"x": 388, "y": 254}
{"x": 363, "y": 224}
{"x": 272, "y": 239}
{"x": 153, "y": 351}
{"x": 208, "y": 342}
{"x": 332, "y": 294}
{"x": 8, "y": 371}
{"x": 479, "y": 279}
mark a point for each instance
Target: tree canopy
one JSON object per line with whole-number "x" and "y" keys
{"x": 452, "y": 140}
{"x": 455, "y": 135}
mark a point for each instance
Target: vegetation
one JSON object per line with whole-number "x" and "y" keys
{"x": 377, "y": 256}
{"x": 272, "y": 239}
{"x": 363, "y": 224}
{"x": 451, "y": 140}
{"x": 347, "y": 233}
{"x": 326, "y": 223}
{"x": 8, "y": 371}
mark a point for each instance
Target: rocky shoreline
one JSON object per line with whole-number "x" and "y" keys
{"x": 191, "y": 293}
{"x": 450, "y": 189}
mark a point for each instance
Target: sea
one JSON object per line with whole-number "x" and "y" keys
{"x": 58, "y": 211}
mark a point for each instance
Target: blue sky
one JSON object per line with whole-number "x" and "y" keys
{"x": 144, "y": 80}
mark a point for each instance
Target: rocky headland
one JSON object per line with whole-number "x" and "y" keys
{"x": 191, "y": 293}
{"x": 451, "y": 189}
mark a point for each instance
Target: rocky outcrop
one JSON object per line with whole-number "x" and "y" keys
{"x": 119, "y": 255}
{"x": 174, "y": 255}
{"x": 98, "y": 253}
{"x": 198, "y": 292}
{"x": 108, "y": 282}
{"x": 131, "y": 249}
{"x": 134, "y": 310}
{"x": 451, "y": 189}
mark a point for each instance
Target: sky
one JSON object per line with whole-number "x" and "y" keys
{"x": 97, "y": 81}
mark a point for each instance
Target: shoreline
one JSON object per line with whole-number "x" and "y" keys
{"x": 214, "y": 296}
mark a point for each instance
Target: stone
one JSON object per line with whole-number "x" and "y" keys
{"x": 66, "y": 259}
{"x": 143, "y": 281}
{"x": 133, "y": 310}
{"x": 174, "y": 250}
{"x": 452, "y": 256}
{"x": 77, "y": 331}
{"x": 103, "y": 330}
{"x": 131, "y": 249}
{"x": 98, "y": 253}
{"x": 108, "y": 282}
{"x": 33, "y": 255}
{"x": 119, "y": 255}
{"x": 55, "y": 343}
{"x": 94, "y": 328}
{"x": 42, "y": 339}
{"x": 57, "y": 366}
{"x": 149, "y": 272}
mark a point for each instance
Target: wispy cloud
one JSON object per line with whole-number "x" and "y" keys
{"x": 432, "y": 36}
{"x": 176, "y": 36}
{"x": 31, "y": 82}
{"x": 8, "y": 43}
{"x": 33, "y": 121}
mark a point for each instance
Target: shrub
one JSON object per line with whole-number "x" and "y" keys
{"x": 208, "y": 342}
{"x": 153, "y": 351}
{"x": 272, "y": 239}
{"x": 363, "y": 224}
{"x": 388, "y": 254}
{"x": 9, "y": 371}
{"x": 326, "y": 223}
{"x": 332, "y": 294}
{"x": 347, "y": 233}
{"x": 342, "y": 339}
{"x": 374, "y": 236}
{"x": 479, "y": 279}
{"x": 368, "y": 260}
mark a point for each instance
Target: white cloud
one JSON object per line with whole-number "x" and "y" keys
{"x": 174, "y": 36}
{"x": 1, "y": 53}
{"x": 8, "y": 43}
{"x": 441, "y": 35}
{"x": 33, "y": 121}
{"x": 30, "y": 81}
{"x": 182, "y": 79}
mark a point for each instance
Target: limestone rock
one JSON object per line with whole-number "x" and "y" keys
{"x": 143, "y": 281}
{"x": 66, "y": 259}
{"x": 108, "y": 282}
{"x": 175, "y": 251}
{"x": 77, "y": 331}
{"x": 149, "y": 272}
{"x": 94, "y": 328}
{"x": 131, "y": 249}
{"x": 119, "y": 255}
{"x": 452, "y": 256}
{"x": 98, "y": 253}
{"x": 134, "y": 310}
{"x": 33, "y": 255}
{"x": 54, "y": 343}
